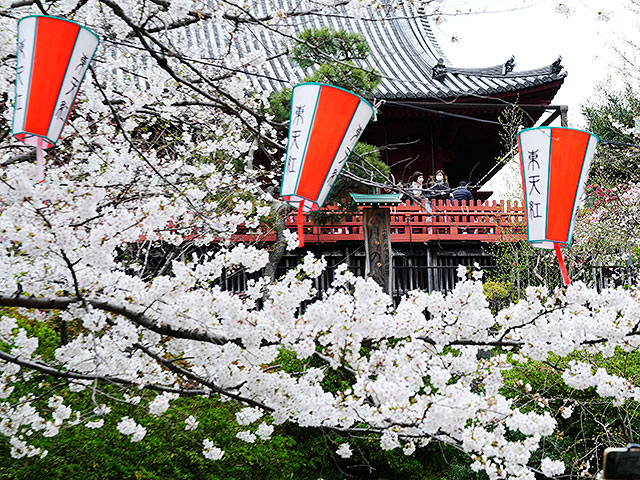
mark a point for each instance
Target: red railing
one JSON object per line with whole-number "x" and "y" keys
{"x": 412, "y": 222}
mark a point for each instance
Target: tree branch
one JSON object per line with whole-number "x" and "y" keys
{"x": 69, "y": 374}
{"x": 24, "y": 157}
{"x": 162, "y": 62}
{"x": 137, "y": 317}
{"x": 169, "y": 365}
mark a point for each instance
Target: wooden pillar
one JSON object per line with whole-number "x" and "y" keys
{"x": 377, "y": 236}
{"x": 377, "y": 246}
{"x": 564, "y": 115}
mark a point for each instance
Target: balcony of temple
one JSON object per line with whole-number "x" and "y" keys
{"x": 427, "y": 221}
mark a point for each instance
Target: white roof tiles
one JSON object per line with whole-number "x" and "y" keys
{"x": 403, "y": 49}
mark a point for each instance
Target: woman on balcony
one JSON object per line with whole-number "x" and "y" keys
{"x": 439, "y": 190}
{"x": 416, "y": 192}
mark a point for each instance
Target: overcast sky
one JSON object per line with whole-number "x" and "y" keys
{"x": 536, "y": 34}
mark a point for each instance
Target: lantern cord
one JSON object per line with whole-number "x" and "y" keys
{"x": 563, "y": 268}
{"x": 300, "y": 222}
{"x": 40, "y": 160}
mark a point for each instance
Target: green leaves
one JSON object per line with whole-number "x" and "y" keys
{"x": 333, "y": 54}
{"x": 280, "y": 104}
{"x": 612, "y": 119}
{"x": 349, "y": 77}
{"x": 324, "y": 45}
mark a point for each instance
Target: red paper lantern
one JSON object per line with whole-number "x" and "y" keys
{"x": 554, "y": 165}
{"x": 53, "y": 56}
{"x": 325, "y": 124}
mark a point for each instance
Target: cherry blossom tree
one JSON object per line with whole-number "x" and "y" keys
{"x": 128, "y": 237}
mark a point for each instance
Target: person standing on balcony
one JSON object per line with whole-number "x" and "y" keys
{"x": 416, "y": 184}
{"x": 439, "y": 190}
{"x": 461, "y": 195}
{"x": 416, "y": 192}
{"x": 415, "y": 188}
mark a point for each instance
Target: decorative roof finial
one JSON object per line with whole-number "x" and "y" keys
{"x": 509, "y": 65}
{"x": 439, "y": 70}
{"x": 556, "y": 67}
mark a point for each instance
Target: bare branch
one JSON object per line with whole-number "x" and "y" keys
{"x": 24, "y": 157}
{"x": 71, "y": 375}
{"x": 169, "y": 365}
{"x": 162, "y": 62}
{"x": 137, "y": 317}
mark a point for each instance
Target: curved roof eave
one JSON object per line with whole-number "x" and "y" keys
{"x": 455, "y": 86}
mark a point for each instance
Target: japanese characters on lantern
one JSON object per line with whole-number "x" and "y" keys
{"x": 555, "y": 163}
{"x": 52, "y": 58}
{"x": 325, "y": 124}
{"x": 535, "y": 165}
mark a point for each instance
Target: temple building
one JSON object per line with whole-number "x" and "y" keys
{"x": 432, "y": 114}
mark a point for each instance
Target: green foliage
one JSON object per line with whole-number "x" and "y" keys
{"x": 594, "y": 424}
{"x": 499, "y": 294}
{"x": 333, "y": 381}
{"x": 168, "y": 451}
{"x": 280, "y": 105}
{"x": 496, "y": 290}
{"x": 354, "y": 79}
{"x": 433, "y": 462}
{"x": 519, "y": 265}
{"x": 47, "y": 332}
{"x": 364, "y": 163}
{"x": 325, "y": 45}
{"x": 332, "y": 54}
{"x": 612, "y": 119}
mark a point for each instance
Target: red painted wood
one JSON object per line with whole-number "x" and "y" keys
{"x": 480, "y": 221}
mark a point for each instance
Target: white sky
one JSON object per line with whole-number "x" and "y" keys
{"x": 533, "y": 32}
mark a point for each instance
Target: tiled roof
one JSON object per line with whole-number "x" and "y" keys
{"x": 404, "y": 50}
